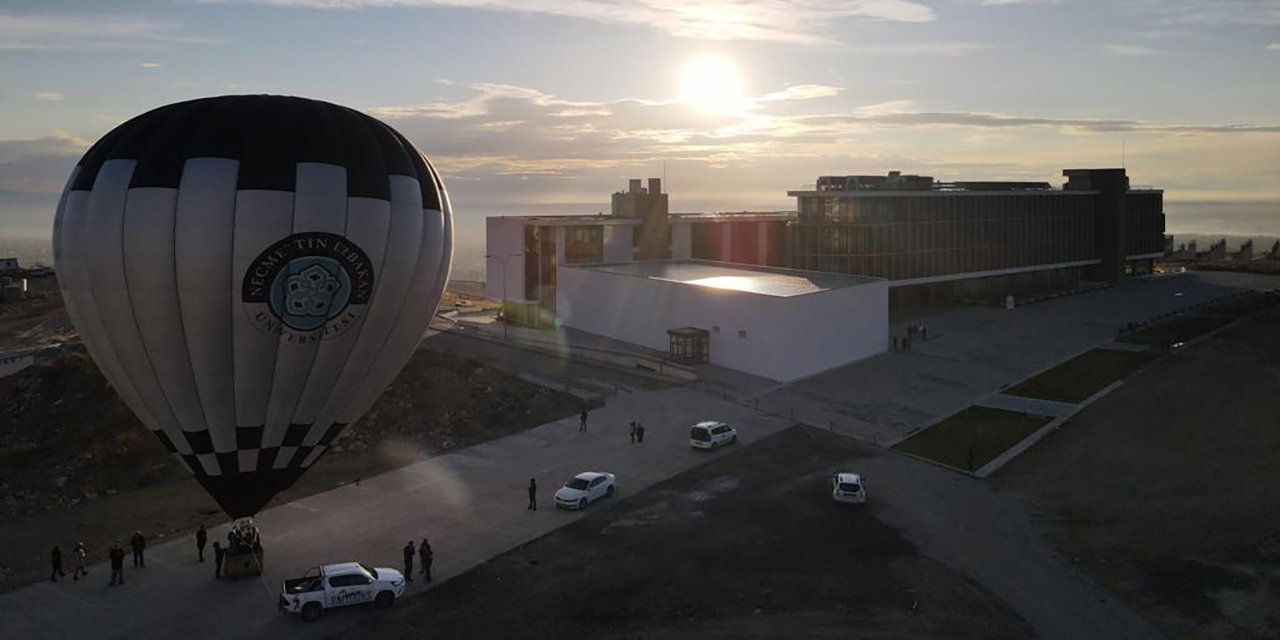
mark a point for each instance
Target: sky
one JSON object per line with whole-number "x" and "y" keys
{"x": 548, "y": 106}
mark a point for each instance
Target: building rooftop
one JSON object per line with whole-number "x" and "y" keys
{"x": 765, "y": 281}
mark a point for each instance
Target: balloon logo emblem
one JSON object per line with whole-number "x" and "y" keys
{"x": 308, "y": 287}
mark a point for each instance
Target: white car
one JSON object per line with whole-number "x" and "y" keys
{"x": 711, "y": 435}
{"x": 339, "y": 585}
{"x": 848, "y": 487}
{"x": 585, "y": 488}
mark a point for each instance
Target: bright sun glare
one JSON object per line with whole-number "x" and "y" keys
{"x": 712, "y": 84}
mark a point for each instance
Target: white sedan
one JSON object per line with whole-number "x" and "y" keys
{"x": 585, "y": 488}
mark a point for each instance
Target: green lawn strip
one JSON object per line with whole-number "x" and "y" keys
{"x": 1076, "y": 379}
{"x": 973, "y": 437}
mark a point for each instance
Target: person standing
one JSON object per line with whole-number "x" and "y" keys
{"x": 202, "y": 536}
{"x": 408, "y": 561}
{"x": 632, "y": 431}
{"x": 218, "y": 554}
{"x": 639, "y": 432}
{"x": 426, "y": 556}
{"x": 582, "y": 420}
{"x": 55, "y": 558}
{"x": 139, "y": 544}
{"x": 117, "y": 564}
{"x": 533, "y": 496}
{"x": 79, "y": 554}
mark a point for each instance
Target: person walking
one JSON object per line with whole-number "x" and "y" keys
{"x": 55, "y": 558}
{"x": 139, "y": 544}
{"x": 582, "y": 420}
{"x": 632, "y": 431}
{"x": 533, "y": 496}
{"x": 639, "y": 432}
{"x": 408, "y": 561}
{"x": 426, "y": 556}
{"x": 202, "y": 536}
{"x": 218, "y": 554}
{"x": 79, "y": 555}
{"x": 117, "y": 564}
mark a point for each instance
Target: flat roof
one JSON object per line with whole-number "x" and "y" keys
{"x": 766, "y": 281}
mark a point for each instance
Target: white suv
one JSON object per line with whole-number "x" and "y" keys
{"x": 848, "y": 487}
{"x": 711, "y": 434}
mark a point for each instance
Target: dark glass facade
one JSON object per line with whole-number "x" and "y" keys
{"x": 894, "y": 228}
{"x": 919, "y": 235}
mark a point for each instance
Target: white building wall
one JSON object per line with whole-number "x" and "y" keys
{"x": 503, "y": 237}
{"x": 617, "y": 243}
{"x": 681, "y": 240}
{"x": 783, "y": 339}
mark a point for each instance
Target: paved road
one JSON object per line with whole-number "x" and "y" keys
{"x": 470, "y": 503}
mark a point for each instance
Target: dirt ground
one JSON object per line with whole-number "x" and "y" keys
{"x": 75, "y": 464}
{"x": 747, "y": 546}
{"x": 1168, "y": 490}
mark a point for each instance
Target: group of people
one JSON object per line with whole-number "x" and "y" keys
{"x": 80, "y": 555}
{"x": 913, "y": 332}
{"x": 425, "y": 557}
{"x": 635, "y": 430}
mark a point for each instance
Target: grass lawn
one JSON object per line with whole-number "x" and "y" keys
{"x": 971, "y": 438}
{"x": 1082, "y": 376}
{"x": 1175, "y": 330}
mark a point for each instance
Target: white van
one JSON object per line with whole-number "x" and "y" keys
{"x": 711, "y": 434}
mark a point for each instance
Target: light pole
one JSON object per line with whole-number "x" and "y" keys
{"x": 503, "y": 261}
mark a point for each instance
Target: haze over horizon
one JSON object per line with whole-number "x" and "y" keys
{"x": 548, "y": 107}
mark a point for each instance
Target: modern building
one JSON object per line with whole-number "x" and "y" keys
{"x": 922, "y": 238}
{"x": 978, "y": 239}
{"x": 774, "y": 323}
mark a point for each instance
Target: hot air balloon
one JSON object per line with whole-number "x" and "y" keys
{"x": 249, "y": 273}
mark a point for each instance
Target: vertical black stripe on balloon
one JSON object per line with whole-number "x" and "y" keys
{"x": 267, "y": 161}
{"x": 421, "y": 171}
{"x": 162, "y": 158}
{"x": 366, "y": 167}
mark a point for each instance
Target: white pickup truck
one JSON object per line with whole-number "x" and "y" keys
{"x": 338, "y": 585}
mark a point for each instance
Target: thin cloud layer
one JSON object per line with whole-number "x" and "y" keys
{"x": 89, "y": 32}
{"x": 800, "y": 21}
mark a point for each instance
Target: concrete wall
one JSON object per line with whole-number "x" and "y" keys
{"x": 782, "y": 339}
{"x": 503, "y": 237}
{"x": 11, "y": 364}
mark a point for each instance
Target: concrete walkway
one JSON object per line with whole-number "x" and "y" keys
{"x": 471, "y": 504}
{"x": 1032, "y": 406}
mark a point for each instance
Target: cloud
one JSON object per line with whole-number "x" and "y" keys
{"x": 1008, "y": 2}
{"x": 803, "y": 92}
{"x": 150, "y": 65}
{"x": 1273, "y": 47}
{"x": 36, "y": 32}
{"x": 1216, "y": 13}
{"x": 1132, "y": 50}
{"x": 798, "y": 21}
{"x": 52, "y": 96}
{"x": 950, "y": 49}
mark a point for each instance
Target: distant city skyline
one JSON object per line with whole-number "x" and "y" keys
{"x": 547, "y": 106}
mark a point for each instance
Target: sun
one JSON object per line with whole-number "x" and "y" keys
{"x": 712, "y": 84}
